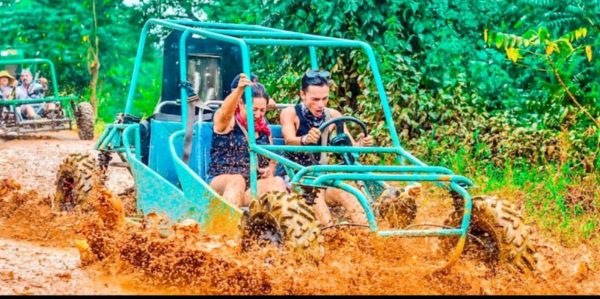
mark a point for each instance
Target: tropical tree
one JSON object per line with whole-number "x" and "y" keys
{"x": 80, "y": 37}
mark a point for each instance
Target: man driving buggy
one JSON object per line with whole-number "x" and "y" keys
{"x": 30, "y": 89}
{"x": 300, "y": 126}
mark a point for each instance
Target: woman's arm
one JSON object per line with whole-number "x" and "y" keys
{"x": 224, "y": 115}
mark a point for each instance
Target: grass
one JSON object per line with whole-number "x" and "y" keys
{"x": 564, "y": 203}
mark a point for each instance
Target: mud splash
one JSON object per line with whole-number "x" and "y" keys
{"x": 356, "y": 262}
{"x": 25, "y": 215}
{"x": 151, "y": 256}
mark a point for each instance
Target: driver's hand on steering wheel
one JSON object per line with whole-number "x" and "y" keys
{"x": 312, "y": 137}
{"x": 365, "y": 141}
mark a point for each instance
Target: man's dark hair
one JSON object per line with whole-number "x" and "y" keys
{"x": 315, "y": 78}
{"x": 236, "y": 80}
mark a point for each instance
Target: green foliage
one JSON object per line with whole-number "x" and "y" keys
{"x": 564, "y": 61}
{"x": 442, "y": 81}
{"x": 473, "y": 85}
{"x": 446, "y": 85}
{"x": 20, "y": 30}
{"x": 60, "y": 31}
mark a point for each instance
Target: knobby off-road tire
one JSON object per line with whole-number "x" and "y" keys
{"x": 285, "y": 218}
{"x": 85, "y": 121}
{"x": 496, "y": 224}
{"x": 397, "y": 206}
{"x": 74, "y": 182}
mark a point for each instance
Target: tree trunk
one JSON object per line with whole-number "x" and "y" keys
{"x": 94, "y": 65}
{"x": 94, "y": 70}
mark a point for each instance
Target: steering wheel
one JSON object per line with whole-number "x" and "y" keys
{"x": 341, "y": 138}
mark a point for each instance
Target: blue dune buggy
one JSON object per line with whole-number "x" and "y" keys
{"x": 168, "y": 155}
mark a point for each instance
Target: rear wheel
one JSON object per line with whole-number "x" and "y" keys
{"x": 497, "y": 235}
{"x": 85, "y": 121}
{"x": 74, "y": 181}
{"x": 284, "y": 218}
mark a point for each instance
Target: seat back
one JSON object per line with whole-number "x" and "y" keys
{"x": 203, "y": 142}
{"x": 159, "y": 156}
{"x": 277, "y": 135}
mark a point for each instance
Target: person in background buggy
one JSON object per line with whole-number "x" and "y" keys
{"x": 29, "y": 89}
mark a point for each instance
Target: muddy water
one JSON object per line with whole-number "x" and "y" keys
{"x": 356, "y": 262}
{"x": 142, "y": 260}
{"x": 28, "y": 268}
{"x": 34, "y": 159}
{"x": 47, "y": 262}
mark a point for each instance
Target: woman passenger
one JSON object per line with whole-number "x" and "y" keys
{"x": 229, "y": 169}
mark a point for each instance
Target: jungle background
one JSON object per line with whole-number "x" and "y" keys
{"x": 505, "y": 92}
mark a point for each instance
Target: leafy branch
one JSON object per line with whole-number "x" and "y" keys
{"x": 540, "y": 44}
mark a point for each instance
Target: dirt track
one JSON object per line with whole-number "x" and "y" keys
{"x": 46, "y": 265}
{"x": 37, "y": 254}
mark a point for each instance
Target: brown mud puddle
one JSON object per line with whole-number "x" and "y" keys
{"x": 38, "y": 254}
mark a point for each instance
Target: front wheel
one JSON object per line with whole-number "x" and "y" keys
{"x": 74, "y": 181}
{"x": 284, "y": 218}
{"x": 497, "y": 234}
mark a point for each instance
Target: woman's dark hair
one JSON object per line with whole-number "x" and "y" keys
{"x": 258, "y": 91}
